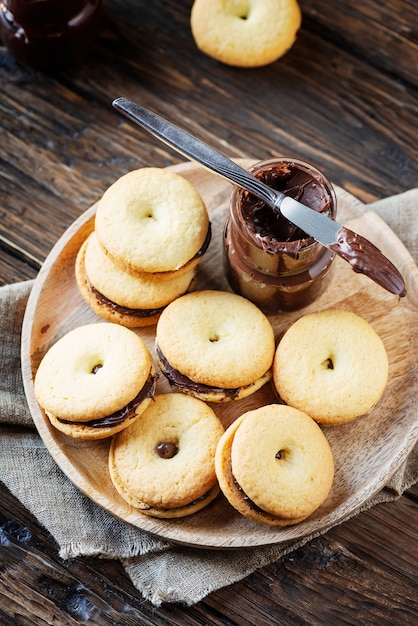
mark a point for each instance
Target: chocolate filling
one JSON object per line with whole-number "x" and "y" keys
{"x": 127, "y": 412}
{"x": 147, "y": 507}
{"x": 123, "y": 310}
{"x": 247, "y": 499}
{"x": 178, "y": 379}
{"x": 205, "y": 244}
{"x": 167, "y": 449}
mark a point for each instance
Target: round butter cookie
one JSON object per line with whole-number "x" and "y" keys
{"x": 274, "y": 465}
{"x": 95, "y": 381}
{"x": 332, "y": 365}
{"x": 122, "y": 298}
{"x": 215, "y": 345}
{"x": 164, "y": 464}
{"x": 245, "y": 33}
{"x": 153, "y": 221}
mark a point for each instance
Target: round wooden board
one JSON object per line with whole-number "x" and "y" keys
{"x": 366, "y": 452}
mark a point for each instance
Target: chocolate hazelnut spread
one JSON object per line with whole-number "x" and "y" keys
{"x": 271, "y": 229}
{"x": 247, "y": 499}
{"x": 365, "y": 258}
{"x": 269, "y": 260}
{"x": 126, "y": 412}
{"x": 278, "y": 266}
{"x": 123, "y": 310}
{"x": 48, "y": 33}
{"x": 205, "y": 244}
{"x": 167, "y": 449}
{"x": 175, "y": 377}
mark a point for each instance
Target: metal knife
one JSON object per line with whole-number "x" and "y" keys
{"x": 363, "y": 256}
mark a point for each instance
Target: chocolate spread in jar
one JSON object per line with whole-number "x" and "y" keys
{"x": 269, "y": 260}
{"x": 271, "y": 229}
{"x": 48, "y": 33}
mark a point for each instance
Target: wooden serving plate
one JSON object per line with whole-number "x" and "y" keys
{"x": 366, "y": 452}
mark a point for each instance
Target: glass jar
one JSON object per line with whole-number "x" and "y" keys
{"x": 48, "y": 33}
{"x": 267, "y": 259}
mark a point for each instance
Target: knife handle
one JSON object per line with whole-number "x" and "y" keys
{"x": 198, "y": 151}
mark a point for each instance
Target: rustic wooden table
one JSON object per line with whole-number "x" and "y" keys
{"x": 345, "y": 99}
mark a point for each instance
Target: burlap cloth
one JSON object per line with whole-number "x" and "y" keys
{"x": 161, "y": 571}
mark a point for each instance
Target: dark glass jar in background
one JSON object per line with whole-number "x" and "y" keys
{"x": 48, "y": 33}
{"x": 267, "y": 259}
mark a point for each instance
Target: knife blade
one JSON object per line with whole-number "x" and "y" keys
{"x": 362, "y": 255}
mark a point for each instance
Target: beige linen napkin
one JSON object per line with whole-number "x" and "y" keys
{"x": 163, "y": 572}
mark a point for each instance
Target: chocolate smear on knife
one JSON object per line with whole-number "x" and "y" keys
{"x": 365, "y": 258}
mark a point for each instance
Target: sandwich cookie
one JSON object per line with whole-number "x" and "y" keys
{"x": 274, "y": 465}
{"x": 95, "y": 381}
{"x": 215, "y": 345}
{"x": 164, "y": 464}
{"x": 122, "y": 298}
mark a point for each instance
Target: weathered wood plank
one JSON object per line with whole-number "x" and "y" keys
{"x": 15, "y": 265}
{"x": 383, "y": 33}
{"x": 339, "y": 578}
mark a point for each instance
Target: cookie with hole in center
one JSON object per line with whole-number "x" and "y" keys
{"x": 332, "y": 365}
{"x": 274, "y": 465}
{"x": 245, "y": 33}
{"x": 95, "y": 381}
{"x": 215, "y": 345}
{"x": 164, "y": 464}
{"x": 153, "y": 221}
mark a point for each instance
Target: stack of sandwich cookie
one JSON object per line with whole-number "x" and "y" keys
{"x": 151, "y": 231}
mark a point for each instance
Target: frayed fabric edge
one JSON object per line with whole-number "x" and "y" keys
{"x": 76, "y": 549}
